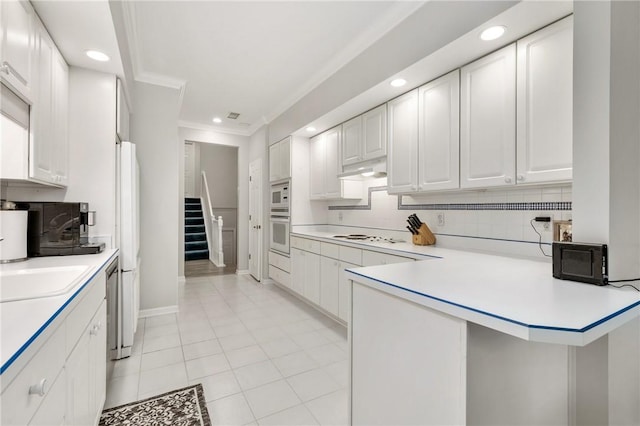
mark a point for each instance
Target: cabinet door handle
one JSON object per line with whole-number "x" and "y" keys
{"x": 507, "y": 179}
{"x": 520, "y": 178}
{"x": 94, "y": 330}
{"x": 4, "y": 68}
{"x": 40, "y": 389}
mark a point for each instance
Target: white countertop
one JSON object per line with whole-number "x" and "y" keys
{"x": 21, "y": 322}
{"x": 515, "y": 296}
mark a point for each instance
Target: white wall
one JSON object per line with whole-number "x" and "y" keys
{"x": 242, "y": 142}
{"x": 220, "y": 163}
{"x": 92, "y": 151}
{"x": 606, "y": 169}
{"x": 154, "y": 125}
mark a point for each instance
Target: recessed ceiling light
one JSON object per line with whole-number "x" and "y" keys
{"x": 398, "y": 82}
{"x": 97, "y": 55}
{"x": 367, "y": 174}
{"x": 310, "y": 129}
{"x": 217, "y": 120}
{"x": 493, "y": 33}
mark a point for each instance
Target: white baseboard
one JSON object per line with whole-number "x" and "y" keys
{"x": 267, "y": 281}
{"x": 242, "y": 271}
{"x": 146, "y": 313}
{"x": 182, "y": 279}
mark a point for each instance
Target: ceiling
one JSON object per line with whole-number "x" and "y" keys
{"x": 253, "y": 58}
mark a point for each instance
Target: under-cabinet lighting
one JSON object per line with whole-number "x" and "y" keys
{"x": 367, "y": 174}
{"x": 217, "y": 120}
{"x": 97, "y": 55}
{"x": 493, "y": 33}
{"x": 398, "y": 82}
{"x": 310, "y": 129}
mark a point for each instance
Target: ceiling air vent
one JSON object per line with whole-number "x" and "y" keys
{"x": 233, "y": 115}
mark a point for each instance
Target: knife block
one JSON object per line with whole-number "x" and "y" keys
{"x": 425, "y": 237}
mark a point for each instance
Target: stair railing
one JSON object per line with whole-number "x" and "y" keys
{"x": 212, "y": 226}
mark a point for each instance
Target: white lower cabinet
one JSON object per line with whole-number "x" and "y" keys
{"x": 64, "y": 381}
{"x": 318, "y": 272}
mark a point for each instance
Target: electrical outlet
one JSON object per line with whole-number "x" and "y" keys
{"x": 440, "y": 219}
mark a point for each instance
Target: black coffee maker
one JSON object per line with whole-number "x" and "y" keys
{"x": 58, "y": 229}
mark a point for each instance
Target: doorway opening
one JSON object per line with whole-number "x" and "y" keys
{"x": 211, "y": 208}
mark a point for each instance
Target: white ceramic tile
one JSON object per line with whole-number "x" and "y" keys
{"x": 200, "y": 349}
{"x": 161, "y": 342}
{"x": 310, "y": 339}
{"x": 327, "y": 354}
{"x": 197, "y": 335}
{"x": 163, "y": 379}
{"x": 331, "y": 409}
{"x": 232, "y": 410}
{"x": 218, "y": 385}
{"x": 271, "y": 398}
{"x": 121, "y": 390}
{"x": 206, "y": 366}
{"x": 295, "y": 363}
{"x": 280, "y": 347}
{"x": 245, "y": 356}
{"x": 266, "y": 334}
{"x": 339, "y": 371}
{"x": 257, "y": 374}
{"x": 229, "y": 329}
{"x": 161, "y": 330}
{"x": 237, "y": 341}
{"x": 126, "y": 366}
{"x": 312, "y": 384}
{"x": 297, "y": 328}
{"x": 294, "y": 416}
{"x": 160, "y": 320}
{"x": 161, "y": 358}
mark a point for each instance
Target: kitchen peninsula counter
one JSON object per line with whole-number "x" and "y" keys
{"x": 479, "y": 339}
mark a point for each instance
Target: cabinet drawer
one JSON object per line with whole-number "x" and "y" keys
{"x": 372, "y": 258}
{"x": 18, "y": 405}
{"x": 52, "y": 409}
{"x": 351, "y": 255}
{"x": 330, "y": 250}
{"x": 280, "y": 261}
{"x": 83, "y": 312}
{"x": 279, "y": 276}
{"x": 297, "y": 242}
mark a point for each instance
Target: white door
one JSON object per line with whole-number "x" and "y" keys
{"x": 255, "y": 219}
{"x": 488, "y": 120}
{"x": 545, "y": 104}
{"x": 403, "y": 143}
{"x": 439, "y": 133}
{"x": 374, "y": 133}
{"x": 352, "y": 141}
{"x": 189, "y": 170}
{"x": 316, "y": 168}
{"x": 333, "y": 162}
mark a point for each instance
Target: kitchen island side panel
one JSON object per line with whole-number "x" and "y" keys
{"x": 408, "y": 363}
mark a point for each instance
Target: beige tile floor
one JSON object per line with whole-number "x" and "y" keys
{"x": 262, "y": 356}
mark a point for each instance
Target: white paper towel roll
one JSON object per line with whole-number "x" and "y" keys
{"x": 13, "y": 235}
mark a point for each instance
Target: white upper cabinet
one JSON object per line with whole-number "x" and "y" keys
{"x": 333, "y": 162}
{"x": 18, "y": 37}
{"x": 48, "y": 162}
{"x": 374, "y": 131}
{"x": 403, "y": 143}
{"x": 324, "y": 167}
{"x": 439, "y": 133}
{"x": 545, "y": 103}
{"x": 280, "y": 160}
{"x": 352, "y": 141}
{"x": 365, "y": 137}
{"x": 316, "y": 168}
{"x": 488, "y": 120}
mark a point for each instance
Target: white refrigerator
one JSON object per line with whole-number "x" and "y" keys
{"x": 128, "y": 300}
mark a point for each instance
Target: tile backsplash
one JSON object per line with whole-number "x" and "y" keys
{"x": 503, "y": 214}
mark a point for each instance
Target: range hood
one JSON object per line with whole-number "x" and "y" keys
{"x": 365, "y": 170}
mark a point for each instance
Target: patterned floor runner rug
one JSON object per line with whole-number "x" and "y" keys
{"x": 181, "y": 407}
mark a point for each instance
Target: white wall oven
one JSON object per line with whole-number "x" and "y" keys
{"x": 279, "y": 221}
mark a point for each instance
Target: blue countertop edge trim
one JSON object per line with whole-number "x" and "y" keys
{"x": 54, "y": 316}
{"x": 530, "y": 326}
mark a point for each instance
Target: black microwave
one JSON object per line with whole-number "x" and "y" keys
{"x": 586, "y": 263}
